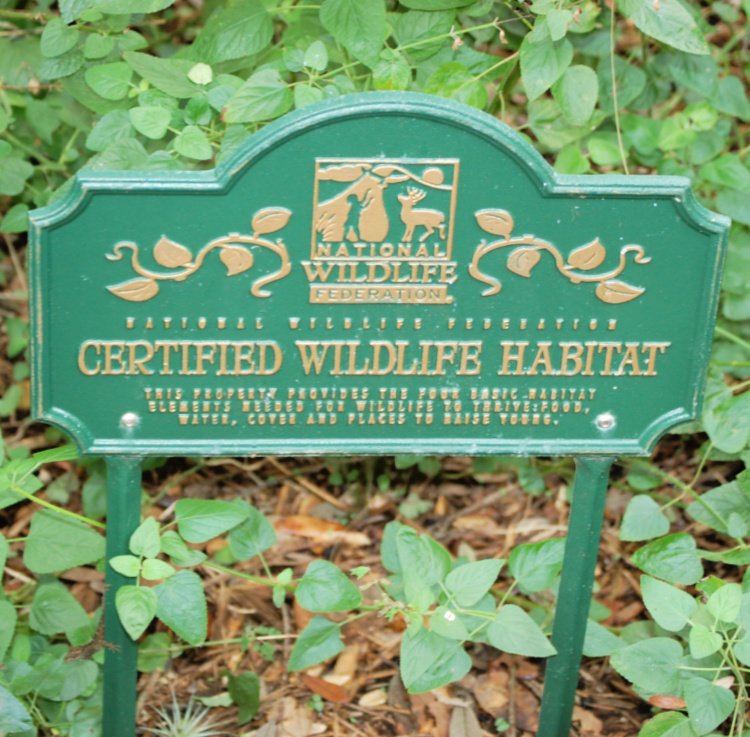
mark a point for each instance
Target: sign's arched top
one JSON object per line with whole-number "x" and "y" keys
{"x": 380, "y": 272}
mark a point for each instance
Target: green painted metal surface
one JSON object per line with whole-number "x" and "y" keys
{"x": 379, "y": 273}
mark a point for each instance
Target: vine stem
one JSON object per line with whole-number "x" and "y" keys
{"x": 59, "y": 510}
{"x": 262, "y": 580}
{"x": 615, "y": 101}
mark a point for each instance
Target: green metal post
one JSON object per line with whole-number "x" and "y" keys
{"x": 574, "y": 598}
{"x": 123, "y": 516}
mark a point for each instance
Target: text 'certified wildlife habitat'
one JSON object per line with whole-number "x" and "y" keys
{"x": 377, "y": 274}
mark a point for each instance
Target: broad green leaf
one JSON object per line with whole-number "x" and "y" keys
{"x": 122, "y": 7}
{"x": 126, "y": 565}
{"x": 241, "y": 28}
{"x": 181, "y": 605}
{"x": 154, "y": 652}
{"x": 543, "y": 63}
{"x": 715, "y": 507}
{"x": 325, "y": 588}
{"x": 58, "y": 38}
{"x": 428, "y": 661}
{"x": 98, "y": 46}
{"x": 199, "y": 520}
{"x": 13, "y": 175}
{"x": 435, "y": 4}
{"x": 253, "y": 536}
{"x": 319, "y": 641}
{"x": 192, "y": 143}
{"x": 136, "y": 607}
{"x": 470, "y": 582}
{"x": 392, "y": 72}
{"x": 668, "y": 724}
{"x": 263, "y": 96}
{"x": 182, "y": 555}
{"x": 423, "y": 563}
{"x": 536, "y": 565}
{"x": 71, "y": 10}
{"x": 145, "y": 540}
{"x": 14, "y": 719}
{"x": 670, "y": 607}
{"x": 111, "y": 126}
{"x": 725, "y": 602}
{"x": 245, "y": 692}
{"x": 727, "y": 421}
{"x": 666, "y": 21}
{"x": 703, "y": 642}
{"x": 673, "y": 558}
{"x": 306, "y": 94}
{"x": 419, "y": 32}
{"x": 447, "y": 623}
{"x": 455, "y": 81}
{"x": 4, "y": 550}
{"x": 167, "y": 75}
{"x": 360, "y": 27}
{"x": 558, "y": 21}
{"x": 155, "y": 569}
{"x": 56, "y": 543}
{"x": 151, "y": 121}
{"x": 599, "y": 641}
{"x": 708, "y": 705}
{"x": 652, "y": 665}
{"x": 79, "y": 676}
{"x": 8, "y": 618}
{"x": 576, "y": 93}
{"x": 631, "y": 81}
{"x": 316, "y": 56}
{"x": 16, "y": 219}
{"x": 643, "y": 520}
{"x": 514, "y": 631}
{"x": 727, "y": 171}
{"x": 741, "y": 649}
{"x": 730, "y": 97}
{"x": 110, "y": 81}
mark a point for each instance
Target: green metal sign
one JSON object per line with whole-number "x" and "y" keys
{"x": 380, "y": 272}
{"x": 372, "y": 275}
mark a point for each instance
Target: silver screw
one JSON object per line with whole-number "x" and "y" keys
{"x": 129, "y": 420}
{"x": 605, "y": 421}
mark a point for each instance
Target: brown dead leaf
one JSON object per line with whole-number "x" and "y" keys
{"x": 301, "y": 616}
{"x": 464, "y": 723}
{"x": 347, "y": 661}
{"x": 491, "y": 692}
{"x": 319, "y": 530}
{"x": 665, "y": 701}
{"x": 296, "y": 720}
{"x": 329, "y": 691}
{"x": 589, "y": 724}
{"x": 432, "y": 714}
{"x": 479, "y": 523}
{"x": 371, "y": 699}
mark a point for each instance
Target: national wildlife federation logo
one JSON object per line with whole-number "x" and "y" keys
{"x": 383, "y": 231}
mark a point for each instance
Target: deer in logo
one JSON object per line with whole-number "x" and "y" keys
{"x": 413, "y": 218}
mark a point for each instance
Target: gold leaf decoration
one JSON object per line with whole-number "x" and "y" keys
{"x": 587, "y": 257}
{"x": 616, "y": 292}
{"x": 523, "y": 260}
{"x": 383, "y": 170}
{"x": 433, "y": 175}
{"x": 135, "y": 290}
{"x": 236, "y": 259}
{"x": 270, "y": 219}
{"x": 170, "y": 254}
{"x": 497, "y": 222}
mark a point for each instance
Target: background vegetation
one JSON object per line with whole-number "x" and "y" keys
{"x": 647, "y": 86}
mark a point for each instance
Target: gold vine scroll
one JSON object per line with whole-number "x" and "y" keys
{"x": 234, "y": 253}
{"x": 576, "y": 268}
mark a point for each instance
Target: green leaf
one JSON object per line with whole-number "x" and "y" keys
{"x": 316, "y": 56}
{"x": 145, "y": 540}
{"x": 58, "y": 38}
{"x": 415, "y": 29}
{"x": 536, "y": 565}
{"x": 435, "y": 4}
{"x": 199, "y": 520}
{"x": 392, "y": 72}
{"x": 543, "y": 63}
{"x": 110, "y": 81}
{"x": 423, "y": 564}
{"x": 13, "y": 175}
{"x": 57, "y": 543}
{"x": 470, "y": 582}
{"x": 151, "y": 121}
{"x": 446, "y": 623}
{"x": 241, "y": 28}
{"x": 715, "y": 507}
{"x": 245, "y": 692}
{"x": 725, "y": 602}
{"x": 253, "y": 536}
{"x": 181, "y": 605}
{"x": 360, "y": 27}
{"x": 126, "y": 565}
{"x": 631, "y": 81}
{"x": 71, "y": 10}
{"x": 319, "y": 641}
{"x": 730, "y": 98}
{"x": 652, "y": 665}
{"x": 428, "y": 661}
{"x": 122, "y": 7}
{"x": 670, "y": 607}
{"x": 136, "y": 607}
{"x": 727, "y": 171}
{"x": 576, "y": 93}
{"x": 98, "y": 46}
{"x": 599, "y": 641}
{"x": 168, "y": 75}
{"x": 8, "y": 619}
{"x": 558, "y": 21}
{"x": 703, "y": 641}
{"x": 263, "y": 96}
{"x": 668, "y": 724}
{"x": 673, "y": 558}
{"x": 643, "y": 520}
{"x": 708, "y": 705}
{"x": 112, "y": 126}
{"x": 155, "y": 569}
{"x": 174, "y": 546}
{"x": 154, "y": 652}
{"x": 667, "y": 21}
{"x": 306, "y": 94}
{"x": 16, "y": 220}
{"x": 455, "y": 81}
{"x": 325, "y": 588}
{"x": 514, "y": 631}
{"x": 13, "y": 715}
